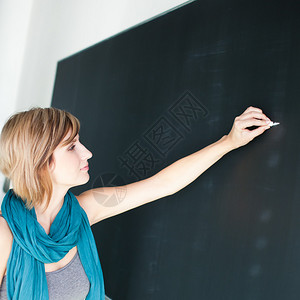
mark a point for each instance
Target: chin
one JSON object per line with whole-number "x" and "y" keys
{"x": 84, "y": 180}
{"x": 87, "y": 179}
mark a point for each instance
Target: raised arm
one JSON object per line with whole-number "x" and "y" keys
{"x": 192, "y": 166}
{"x": 167, "y": 182}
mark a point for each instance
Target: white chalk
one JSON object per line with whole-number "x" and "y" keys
{"x": 273, "y": 123}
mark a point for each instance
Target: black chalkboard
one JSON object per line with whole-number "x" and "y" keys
{"x": 165, "y": 89}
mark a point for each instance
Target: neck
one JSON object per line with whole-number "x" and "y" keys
{"x": 56, "y": 202}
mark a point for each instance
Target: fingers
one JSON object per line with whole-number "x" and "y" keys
{"x": 251, "y": 108}
{"x": 242, "y": 124}
{"x": 253, "y": 114}
{"x": 256, "y": 132}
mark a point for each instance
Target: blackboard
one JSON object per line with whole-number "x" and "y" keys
{"x": 165, "y": 89}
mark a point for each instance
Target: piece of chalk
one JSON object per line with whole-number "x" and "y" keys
{"x": 273, "y": 123}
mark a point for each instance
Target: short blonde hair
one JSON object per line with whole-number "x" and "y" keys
{"x": 27, "y": 142}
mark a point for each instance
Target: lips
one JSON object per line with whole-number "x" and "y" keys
{"x": 85, "y": 168}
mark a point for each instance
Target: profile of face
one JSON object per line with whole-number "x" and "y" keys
{"x": 69, "y": 164}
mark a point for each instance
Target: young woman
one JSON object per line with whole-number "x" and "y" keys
{"x": 47, "y": 247}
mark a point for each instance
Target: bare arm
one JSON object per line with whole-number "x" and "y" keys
{"x": 167, "y": 181}
{"x": 185, "y": 170}
{"x": 6, "y": 239}
{"x": 192, "y": 166}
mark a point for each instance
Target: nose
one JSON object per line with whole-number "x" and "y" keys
{"x": 86, "y": 154}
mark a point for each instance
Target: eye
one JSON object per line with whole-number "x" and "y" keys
{"x": 71, "y": 148}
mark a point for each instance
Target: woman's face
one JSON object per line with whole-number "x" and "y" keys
{"x": 68, "y": 164}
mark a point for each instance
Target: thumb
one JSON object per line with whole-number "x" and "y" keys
{"x": 258, "y": 131}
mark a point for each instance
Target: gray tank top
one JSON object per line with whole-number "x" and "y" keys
{"x": 68, "y": 283}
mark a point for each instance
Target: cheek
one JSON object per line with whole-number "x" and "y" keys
{"x": 71, "y": 160}
{"x": 67, "y": 168}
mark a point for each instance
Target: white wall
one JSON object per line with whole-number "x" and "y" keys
{"x": 35, "y": 35}
{"x": 14, "y": 25}
{"x": 61, "y": 28}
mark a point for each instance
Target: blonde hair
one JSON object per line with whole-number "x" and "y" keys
{"x": 27, "y": 142}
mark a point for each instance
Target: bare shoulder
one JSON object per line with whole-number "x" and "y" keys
{"x": 84, "y": 204}
{"x": 6, "y": 239}
{"x": 5, "y": 232}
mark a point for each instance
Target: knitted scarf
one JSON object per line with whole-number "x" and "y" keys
{"x": 32, "y": 248}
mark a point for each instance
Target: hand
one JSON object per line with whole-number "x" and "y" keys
{"x": 240, "y": 135}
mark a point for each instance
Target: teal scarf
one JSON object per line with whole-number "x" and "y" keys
{"x": 32, "y": 248}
